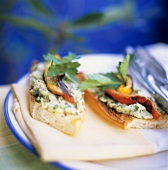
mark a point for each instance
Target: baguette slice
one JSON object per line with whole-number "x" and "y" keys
{"x": 68, "y": 124}
{"x": 123, "y": 120}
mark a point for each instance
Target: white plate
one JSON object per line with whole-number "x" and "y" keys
{"x": 89, "y": 64}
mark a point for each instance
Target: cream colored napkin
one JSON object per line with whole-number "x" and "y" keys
{"x": 97, "y": 139}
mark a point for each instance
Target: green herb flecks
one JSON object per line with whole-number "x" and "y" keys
{"x": 136, "y": 108}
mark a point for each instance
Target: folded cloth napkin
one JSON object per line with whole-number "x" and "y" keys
{"x": 97, "y": 139}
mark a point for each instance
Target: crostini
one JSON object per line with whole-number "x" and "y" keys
{"x": 54, "y": 97}
{"x": 113, "y": 96}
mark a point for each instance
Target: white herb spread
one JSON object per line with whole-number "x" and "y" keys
{"x": 51, "y": 102}
{"x": 137, "y": 110}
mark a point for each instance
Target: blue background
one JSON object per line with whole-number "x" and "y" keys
{"x": 147, "y": 23}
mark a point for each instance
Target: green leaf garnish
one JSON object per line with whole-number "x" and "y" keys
{"x": 52, "y": 58}
{"x": 97, "y": 80}
{"x": 113, "y": 76}
{"x": 103, "y": 81}
{"x": 123, "y": 68}
{"x": 65, "y": 65}
{"x": 68, "y": 59}
{"x": 108, "y": 80}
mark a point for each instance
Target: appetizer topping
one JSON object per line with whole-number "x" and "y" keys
{"x": 132, "y": 99}
{"x": 66, "y": 65}
{"x": 126, "y": 89}
{"x": 55, "y": 103}
{"x": 51, "y": 82}
{"x": 137, "y": 110}
{"x": 99, "y": 80}
{"x": 119, "y": 86}
{"x": 56, "y": 85}
{"x": 56, "y": 70}
{"x": 112, "y": 80}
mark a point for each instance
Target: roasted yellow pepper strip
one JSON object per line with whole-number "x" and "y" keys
{"x": 126, "y": 89}
{"x": 51, "y": 82}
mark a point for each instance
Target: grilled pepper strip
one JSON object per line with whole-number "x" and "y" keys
{"x": 131, "y": 99}
{"x": 66, "y": 93}
{"x": 57, "y": 86}
{"x": 128, "y": 88}
{"x": 51, "y": 82}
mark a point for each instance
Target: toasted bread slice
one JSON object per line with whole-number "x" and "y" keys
{"x": 123, "y": 120}
{"x": 68, "y": 124}
{"x": 53, "y": 109}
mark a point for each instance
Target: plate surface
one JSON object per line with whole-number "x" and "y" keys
{"x": 89, "y": 64}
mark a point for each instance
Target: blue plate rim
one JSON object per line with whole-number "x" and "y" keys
{"x": 18, "y": 136}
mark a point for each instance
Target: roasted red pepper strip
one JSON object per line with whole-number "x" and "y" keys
{"x": 131, "y": 99}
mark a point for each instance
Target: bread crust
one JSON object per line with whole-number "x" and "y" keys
{"x": 68, "y": 124}
{"x": 123, "y": 120}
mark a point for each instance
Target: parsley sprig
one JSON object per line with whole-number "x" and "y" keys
{"x": 108, "y": 80}
{"x": 64, "y": 66}
{"x": 123, "y": 68}
{"x": 68, "y": 66}
{"x": 98, "y": 80}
